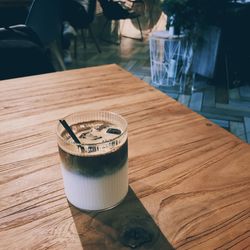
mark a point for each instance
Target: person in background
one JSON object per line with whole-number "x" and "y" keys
{"x": 75, "y": 15}
{"x": 68, "y": 34}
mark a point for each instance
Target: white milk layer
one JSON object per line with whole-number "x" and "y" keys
{"x": 98, "y": 193}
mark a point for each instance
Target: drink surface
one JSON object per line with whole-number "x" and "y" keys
{"x": 93, "y": 132}
{"x": 105, "y": 157}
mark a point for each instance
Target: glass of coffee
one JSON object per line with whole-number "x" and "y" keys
{"x": 95, "y": 170}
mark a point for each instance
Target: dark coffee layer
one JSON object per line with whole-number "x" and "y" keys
{"x": 96, "y": 165}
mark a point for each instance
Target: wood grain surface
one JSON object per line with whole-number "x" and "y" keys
{"x": 189, "y": 179}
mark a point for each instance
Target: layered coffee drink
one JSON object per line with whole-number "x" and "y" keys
{"x": 95, "y": 170}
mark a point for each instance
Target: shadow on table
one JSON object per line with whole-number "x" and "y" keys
{"x": 127, "y": 226}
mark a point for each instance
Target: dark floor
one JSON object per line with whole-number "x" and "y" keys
{"x": 229, "y": 108}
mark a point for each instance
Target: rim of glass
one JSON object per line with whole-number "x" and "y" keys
{"x": 89, "y": 112}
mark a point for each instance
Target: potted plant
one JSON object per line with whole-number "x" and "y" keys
{"x": 193, "y": 16}
{"x": 201, "y": 22}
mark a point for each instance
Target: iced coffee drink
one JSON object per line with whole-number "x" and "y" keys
{"x": 95, "y": 170}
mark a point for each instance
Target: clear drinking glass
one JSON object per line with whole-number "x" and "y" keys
{"x": 95, "y": 171}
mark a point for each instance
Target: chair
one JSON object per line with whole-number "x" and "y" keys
{"x": 21, "y": 53}
{"x": 24, "y": 45}
{"x": 81, "y": 19}
{"x": 118, "y": 10}
{"x": 45, "y": 19}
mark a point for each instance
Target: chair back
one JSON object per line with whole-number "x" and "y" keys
{"x": 79, "y": 14}
{"x": 91, "y": 10}
{"x": 107, "y": 7}
{"x": 114, "y": 10}
{"x": 104, "y": 4}
{"x": 45, "y": 19}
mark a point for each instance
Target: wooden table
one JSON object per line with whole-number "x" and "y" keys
{"x": 189, "y": 179}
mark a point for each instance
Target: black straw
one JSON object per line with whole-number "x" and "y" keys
{"x": 69, "y": 130}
